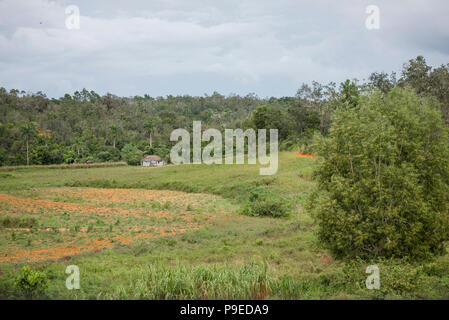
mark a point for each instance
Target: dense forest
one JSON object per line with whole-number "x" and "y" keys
{"x": 87, "y": 127}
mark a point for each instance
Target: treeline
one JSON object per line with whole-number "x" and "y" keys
{"x": 87, "y": 127}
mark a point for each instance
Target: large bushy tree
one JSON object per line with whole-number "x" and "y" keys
{"x": 131, "y": 154}
{"x": 383, "y": 178}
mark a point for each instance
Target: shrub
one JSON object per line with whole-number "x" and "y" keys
{"x": 104, "y": 156}
{"x": 131, "y": 154}
{"x": 383, "y": 179}
{"x": 262, "y": 203}
{"x": 17, "y": 222}
{"x": 31, "y": 283}
{"x": 397, "y": 278}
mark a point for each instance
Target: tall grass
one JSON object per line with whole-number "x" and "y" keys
{"x": 250, "y": 281}
{"x": 159, "y": 281}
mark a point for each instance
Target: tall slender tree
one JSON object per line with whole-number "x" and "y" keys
{"x": 149, "y": 126}
{"x": 114, "y": 131}
{"x": 28, "y": 131}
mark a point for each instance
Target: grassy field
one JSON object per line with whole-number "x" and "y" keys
{"x": 176, "y": 232}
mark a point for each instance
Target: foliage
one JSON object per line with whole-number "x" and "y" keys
{"x": 75, "y": 127}
{"x": 268, "y": 117}
{"x": 158, "y": 281}
{"x": 428, "y": 81}
{"x": 17, "y": 222}
{"x": 31, "y": 283}
{"x": 262, "y": 203}
{"x": 131, "y": 154}
{"x": 85, "y": 125}
{"x": 383, "y": 179}
{"x": 397, "y": 277}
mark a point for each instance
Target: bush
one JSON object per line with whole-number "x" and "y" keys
{"x": 31, "y": 283}
{"x": 17, "y": 222}
{"x": 398, "y": 278}
{"x": 104, "y": 156}
{"x": 131, "y": 154}
{"x": 261, "y": 203}
{"x": 109, "y": 154}
{"x": 383, "y": 179}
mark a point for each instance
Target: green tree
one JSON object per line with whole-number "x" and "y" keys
{"x": 131, "y": 154}
{"x": 415, "y": 73}
{"x": 149, "y": 126}
{"x": 269, "y": 117}
{"x": 439, "y": 87}
{"x": 79, "y": 146}
{"x": 381, "y": 81}
{"x": 114, "y": 132}
{"x": 349, "y": 93}
{"x": 322, "y": 99}
{"x": 427, "y": 81}
{"x": 28, "y": 131}
{"x": 383, "y": 179}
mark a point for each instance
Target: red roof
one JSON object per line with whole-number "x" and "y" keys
{"x": 152, "y": 157}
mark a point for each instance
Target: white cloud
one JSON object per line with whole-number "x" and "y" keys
{"x": 178, "y": 47}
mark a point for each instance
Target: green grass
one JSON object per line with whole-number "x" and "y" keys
{"x": 228, "y": 181}
{"x": 238, "y": 257}
{"x": 62, "y": 166}
{"x": 77, "y": 217}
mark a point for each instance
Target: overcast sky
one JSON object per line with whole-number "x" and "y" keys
{"x": 196, "y": 47}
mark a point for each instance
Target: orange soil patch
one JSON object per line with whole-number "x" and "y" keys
{"x": 325, "y": 259}
{"x": 56, "y": 252}
{"x": 145, "y": 223}
{"x": 126, "y": 195}
{"x": 19, "y": 204}
{"x": 305, "y": 155}
{"x": 32, "y": 205}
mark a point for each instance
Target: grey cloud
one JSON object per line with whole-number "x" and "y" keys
{"x": 194, "y": 47}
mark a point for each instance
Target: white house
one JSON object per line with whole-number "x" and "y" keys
{"x": 152, "y": 161}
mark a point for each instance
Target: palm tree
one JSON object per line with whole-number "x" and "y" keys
{"x": 78, "y": 143}
{"x": 150, "y": 127}
{"x": 114, "y": 130}
{"x": 28, "y": 131}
